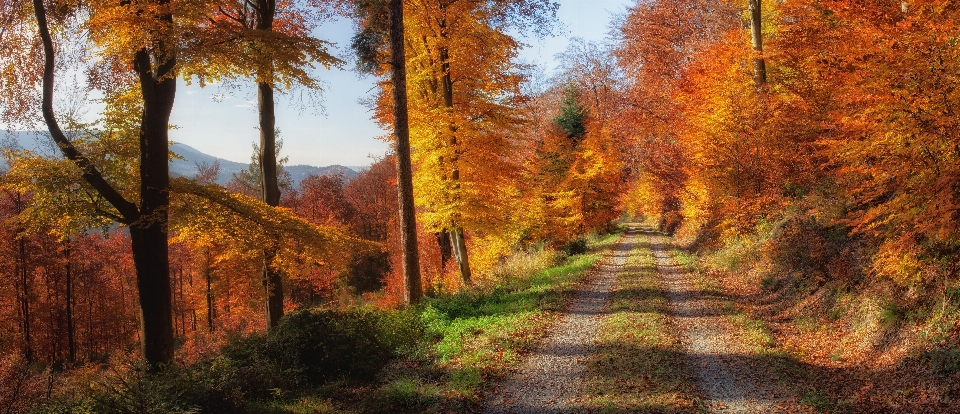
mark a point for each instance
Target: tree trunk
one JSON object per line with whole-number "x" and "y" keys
{"x": 446, "y": 85}
{"x": 446, "y": 249}
{"x": 25, "y": 302}
{"x": 460, "y": 250}
{"x": 208, "y": 274}
{"x": 147, "y": 223}
{"x": 71, "y": 346}
{"x": 270, "y": 186}
{"x": 408, "y": 222}
{"x": 158, "y": 86}
{"x": 756, "y": 32}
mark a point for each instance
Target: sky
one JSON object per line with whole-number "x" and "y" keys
{"x": 343, "y": 133}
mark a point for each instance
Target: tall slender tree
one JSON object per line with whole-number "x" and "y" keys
{"x": 413, "y": 290}
{"x": 154, "y": 64}
{"x": 272, "y": 42}
{"x": 756, "y": 37}
{"x": 270, "y": 188}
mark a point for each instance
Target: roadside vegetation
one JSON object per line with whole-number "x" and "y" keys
{"x": 439, "y": 356}
{"x": 837, "y": 335}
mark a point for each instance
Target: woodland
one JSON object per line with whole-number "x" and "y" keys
{"x": 803, "y": 155}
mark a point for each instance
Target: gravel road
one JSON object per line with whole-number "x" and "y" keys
{"x": 724, "y": 369}
{"x": 551, "y": 378}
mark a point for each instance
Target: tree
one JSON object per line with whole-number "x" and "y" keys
{"x": 464, "y": 93}
{"x": 275, "y": 47}
{"x": 154, "y": 64}
{"x": 401, "y": 129}
{"x": 756, "y": 38}
{"x": 379, "y": 45}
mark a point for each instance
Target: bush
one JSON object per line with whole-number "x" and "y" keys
{"x": 945, "y": 361}
{"x": 575, "y": 246}
{"x": 130, "y": 388}
{"x": 306, "y": 349}
{"x": 319, "y": 345}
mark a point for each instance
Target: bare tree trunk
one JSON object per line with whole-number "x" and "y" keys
{"x": 460, "y": 250}
{"x": 413, "y": 291}
{"x": 25, "y": 300}
{"x": 71, "y": 346}
{"x": 756, "y": 32}
{"x": 209, "y": 276}
{"x": 270, "y": 186}
{"x": 446, "y": 249}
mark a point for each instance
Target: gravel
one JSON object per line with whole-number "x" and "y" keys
{"x": 550, "y": 379}
{"x": 724, "y": 369}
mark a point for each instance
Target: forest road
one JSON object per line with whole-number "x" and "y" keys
{"x": 723, "y": 367}
{"x": 550, "y": 379}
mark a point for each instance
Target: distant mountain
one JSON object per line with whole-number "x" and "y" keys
{"x": 186, "y": 167}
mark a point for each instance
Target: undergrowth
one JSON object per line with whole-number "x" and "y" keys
{"x": 437, "y": 356}
{"x": 809, "y": 300}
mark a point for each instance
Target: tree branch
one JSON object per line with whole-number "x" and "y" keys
{"x": 93, "y": 176}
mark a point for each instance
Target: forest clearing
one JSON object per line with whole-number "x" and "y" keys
{"x": 722, "y": 206}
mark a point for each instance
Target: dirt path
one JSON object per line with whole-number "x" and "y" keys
{"x": 551, "y": 378}
{"x": 724, "y": 369}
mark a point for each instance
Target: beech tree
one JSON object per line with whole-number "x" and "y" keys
{"x": 154, "y": 62}
{"x": 269, "y": 41}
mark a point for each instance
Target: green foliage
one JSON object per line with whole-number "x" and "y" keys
{"x": 251, "y": 179}
{"x": 944, "y": 361}
{"x": 318, "y": 345}
{"x": 131, "y": 388}
{"x": 572, "y": 119}
{"x": 475, "y": 336}
{"x": 253, "y": 372}
{"x": 575, "y": 246}
{"x": 408, "y": 393}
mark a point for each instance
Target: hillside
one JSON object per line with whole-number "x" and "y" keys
{"x": 185, "y": 166}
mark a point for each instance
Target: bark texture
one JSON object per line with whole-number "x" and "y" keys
{"x": 413, "y": 290}
{"x": 269, "y": 181}
{"x": 756, "y": 36}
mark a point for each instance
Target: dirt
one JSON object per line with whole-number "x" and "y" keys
{"x": 724, "y": 368}
{"x": 550, "y": 380}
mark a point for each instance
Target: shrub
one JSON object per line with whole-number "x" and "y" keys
{"x": 306, "y": 349}
{"x": 945, "y": 361}
{"x": 575, "y": 246}
{"x": 320, "y": 345}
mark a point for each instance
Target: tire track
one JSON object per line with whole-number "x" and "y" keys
{"x": 724, "y": 369}
{"x": 551, "y": 378}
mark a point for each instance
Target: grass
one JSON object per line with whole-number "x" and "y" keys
{"x": 639, "y": 365}
{"x": 475, "y": 337}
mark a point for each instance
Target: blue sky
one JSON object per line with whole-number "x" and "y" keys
{"x": 345, "y": 134}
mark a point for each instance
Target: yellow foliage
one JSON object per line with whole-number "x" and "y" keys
{"x": 207, "y": 213}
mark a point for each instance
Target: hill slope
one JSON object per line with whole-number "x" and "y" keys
{"x": 186, "y": 167}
